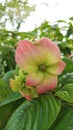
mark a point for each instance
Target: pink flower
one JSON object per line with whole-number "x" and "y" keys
{"x": 41, "y": 61}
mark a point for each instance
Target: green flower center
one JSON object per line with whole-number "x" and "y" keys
{"x": 42, "y": 68}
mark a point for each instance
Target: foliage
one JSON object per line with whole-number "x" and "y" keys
{"x": 14, "y": 12}
{"x": 64, "y": 119}
{"x": 51, "y": 111}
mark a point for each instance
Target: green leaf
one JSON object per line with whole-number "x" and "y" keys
{"x": 71, "y": 18}
{"x": 69, "y": 66}
{"x": 66, "y": 79}
{"x": 61, "y": 21}
{"x": 35, "y": 115}
{"x": 4, "y": 90}
{"x": 64, "y": 120}
{"x": 6, "y": 111}
{"x": 66, "y": 93}
{"x": 11, "y": 98}
{"x": 8, "y": 75}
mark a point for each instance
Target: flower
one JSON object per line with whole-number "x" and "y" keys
{"x": 41, "y": 61}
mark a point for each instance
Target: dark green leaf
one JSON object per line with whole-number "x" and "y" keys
{"x": 8, "y": 75}
{"x": 12, "y": 97}
{"x": 70, "y": 30}
{"x": 4, "y": 90}
{"x": 35, "y": 115}
{"x": 64, "y": 120}
{"x": 69, "y": 66}
{"x": 66, "y": 93}
{"x": 6, "y": 111}
{"x": 66, "y": 79}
